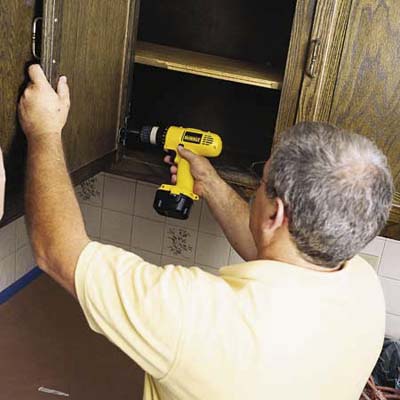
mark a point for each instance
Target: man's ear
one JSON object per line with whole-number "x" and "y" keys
{"x": 277, "y": 219}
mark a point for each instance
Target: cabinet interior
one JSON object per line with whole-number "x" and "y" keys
{"x": 212, "y": 65}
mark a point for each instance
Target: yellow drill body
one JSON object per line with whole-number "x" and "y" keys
{"x": 175, "y": 201}
{"x": 206, "y": 144}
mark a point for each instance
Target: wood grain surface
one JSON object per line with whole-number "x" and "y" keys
{"x": 328, "y": 33}
{"x": 15, "y": 54}
{"x": 367, "y": 97}
{"x": 93, "y": 47}
{"x": 295, "y": 64}
{"x": 207, "y": 65}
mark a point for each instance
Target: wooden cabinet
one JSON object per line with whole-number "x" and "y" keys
{"x": 16, "y": 19}
{"x": 246, "y": 70}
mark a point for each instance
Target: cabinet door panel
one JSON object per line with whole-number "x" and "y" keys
{"x": 367, "y": 97}
{"x": 15, "y": 52}
{"x": 93, "y": 47}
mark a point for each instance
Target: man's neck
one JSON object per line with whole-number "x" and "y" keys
{"x": 285, "y": 251}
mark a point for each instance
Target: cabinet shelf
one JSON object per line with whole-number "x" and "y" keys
{"x": 148, "y": 166}
{"x": 207, "y": 65}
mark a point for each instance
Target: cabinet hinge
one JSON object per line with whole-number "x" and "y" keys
{"x": 312, "y": 60}
{"x": 122, "y": 133}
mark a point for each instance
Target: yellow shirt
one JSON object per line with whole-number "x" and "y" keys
{"x": 262, "y": 330}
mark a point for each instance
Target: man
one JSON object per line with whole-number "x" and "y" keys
{"x": 305, "y": 320}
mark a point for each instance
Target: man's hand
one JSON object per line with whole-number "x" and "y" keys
{"x": 204, "y": 174}
{"x": 42, "y": 111}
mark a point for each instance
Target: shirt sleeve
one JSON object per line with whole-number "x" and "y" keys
{"x": 138, "y": 306}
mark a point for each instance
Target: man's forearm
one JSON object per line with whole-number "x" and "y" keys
{"x": 232, "y": 213}
{"x": 54, "y": 219}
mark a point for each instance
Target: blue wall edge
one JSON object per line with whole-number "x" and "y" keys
{"x": 18, "y": 285}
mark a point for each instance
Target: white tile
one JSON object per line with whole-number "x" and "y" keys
{"x": 149, "y": 184}
{"x": 390, "y": 260}
{"x": 21, "y": 232}
{"x": 144, "y": 202}
{"x": 147, "y": 235}
{"x": 92, "y": 218}
{"x": 211, "y": 270}
{"x": 391, "y": 290}
{"x": 91, "y": 190}
{"x": 7, "y": 271}
{"x": 208, "y": 224}
{"x": 393, "y": 326}
{"x": 194, "y": 217}
{"x": 166, "y": 260}
{"x": 124, "y": 178}
{"x": 179, "y": 242}
{"x": 119, "y": 245}
{"x": 116, "y": 227}
{"x": 212, "y": 250}
{"x": 25, "y": 261}
{"x": 7, "y": 240}
{"x": 375, "y": 247}
{"x": 148, "y": 256}
{"x": 119, "y": 194}
{"x": 234, "y": 257}
{"x": 371, "y": 260}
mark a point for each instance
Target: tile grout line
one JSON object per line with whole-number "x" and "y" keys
{"x": 101, "y": 206}
{"x": 134, "y": 186}
{"x": 198, "y": 232}
{"x": 380, "y": 258}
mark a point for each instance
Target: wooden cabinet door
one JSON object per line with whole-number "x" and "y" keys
{"x": 92, "y": 45}
{"x": 367, "y": 98}
{"x": 316, "y": 44}
{"x": 16, "y": 18}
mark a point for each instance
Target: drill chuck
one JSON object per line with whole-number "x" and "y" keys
{"x": 153, "y": 135}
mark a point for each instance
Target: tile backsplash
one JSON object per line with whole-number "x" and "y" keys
{"x": 119, "y": 211}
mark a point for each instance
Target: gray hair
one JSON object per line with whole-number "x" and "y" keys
{"x": 336, "y": 187}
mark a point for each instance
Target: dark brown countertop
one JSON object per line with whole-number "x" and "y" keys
{"x": 45, "y": 341}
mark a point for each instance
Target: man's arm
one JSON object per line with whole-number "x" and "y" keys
{"x": 54, "y": 219}
{"x": 228, "y": 208}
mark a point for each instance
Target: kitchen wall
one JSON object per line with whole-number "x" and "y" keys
{"x": 119, "y": 211}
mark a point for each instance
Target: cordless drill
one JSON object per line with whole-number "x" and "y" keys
{"x": 176, "y": 200}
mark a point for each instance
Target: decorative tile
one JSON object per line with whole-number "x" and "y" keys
{"x": 21, "y": 232}
{"x": 116, "y": 227}
{"x": 179, "y": 243}
{"x": 371, "y": 260}
{"x": 194, "y": 217}
{"x": 144, "y": 202}
{"x": 25, "y": 261}
{"x": 391, "y": 290}
{"x": 208, "y": 224}
{"x": 148, "y": 256}
{"x": 390, "y": 260}
{"x": 92, "y": 218}
{"x": 7, "y": 240}
{"x": 375, "y": 247}
{"x": 234, "y": 257}
{"x": 393, "y": 326}
{"x": 119, "y": 194}
{"x": 212, "y": 251}
{"x": 91, "y": 190}
{"x": 147, "y": 235}
{"x": 7, "y": 271}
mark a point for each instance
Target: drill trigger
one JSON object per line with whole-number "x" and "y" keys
{"x": 172, "y": 154}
